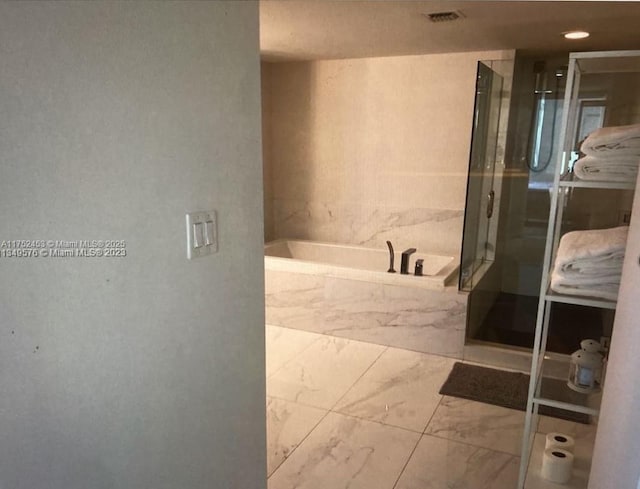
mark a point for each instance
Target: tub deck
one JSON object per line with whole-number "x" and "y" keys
{"x": 357, "y": 263}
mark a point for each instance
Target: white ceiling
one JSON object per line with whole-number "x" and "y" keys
{"x": 330, "y": 29}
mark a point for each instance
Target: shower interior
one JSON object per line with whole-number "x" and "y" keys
{"x": 508, "y": 204}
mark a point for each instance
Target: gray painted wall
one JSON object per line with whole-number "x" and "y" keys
{"x": 145, "y": 371}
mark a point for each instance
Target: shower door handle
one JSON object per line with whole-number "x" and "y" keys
{"x": 490, "y": 199}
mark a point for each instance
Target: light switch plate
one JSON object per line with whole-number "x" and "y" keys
{"x": 202, "y": 234}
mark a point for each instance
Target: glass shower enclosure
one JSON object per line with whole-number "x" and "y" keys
{"x": 480, "y": 226}
{"x": 514, "y": 151}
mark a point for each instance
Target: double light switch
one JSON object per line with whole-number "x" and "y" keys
{"x": 202, "y": 237}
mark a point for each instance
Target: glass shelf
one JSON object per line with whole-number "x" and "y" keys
{"x": 554, "y": 392}
{"x": 552, "y": 296}
{"x": 567, "y": 406}
{"x": 573, "y": 182}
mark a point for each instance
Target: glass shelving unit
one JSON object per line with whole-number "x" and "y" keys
{"x": 610, "y": 77}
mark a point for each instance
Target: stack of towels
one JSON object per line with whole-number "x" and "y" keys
{"x": 589, "y": 263}
{"x": 612, "y": 154}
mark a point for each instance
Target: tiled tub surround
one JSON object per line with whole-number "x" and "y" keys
{"x": 369, "y": 225}
{"x": 412, "y": 312}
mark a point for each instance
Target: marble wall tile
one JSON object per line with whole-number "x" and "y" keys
{"x": 288, "y": 423}
{"x": 439, "y": 463}
{"x": 344, "y": 290}
{"x": 400, "y": 389}
{"x": 428, "y": 321}
{"x": 294, "y": 300}
{"x": 431, "y": 230}
{"x": 328, "y": 368}
{"x": 479, "y": 424}
{"x": 282, "y": 344}
{"x": 417, "y": 327}
{"x": 346, "y": 453}
{"x": 426, "y": 188}
{"x": 338, "y": 136}
{"x": 404, "y": 317}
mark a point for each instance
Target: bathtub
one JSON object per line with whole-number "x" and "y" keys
{"x": 345, "y": 291}
{"x": 357, "y": 263}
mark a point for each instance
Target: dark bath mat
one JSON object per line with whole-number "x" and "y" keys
{"x": 508, "y": 389}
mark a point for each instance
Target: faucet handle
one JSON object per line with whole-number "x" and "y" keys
{"x": 404, "y": 263}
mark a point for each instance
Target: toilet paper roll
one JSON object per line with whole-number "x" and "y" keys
{"x": 557, "y": 465}
{"x": 560, "y": 440}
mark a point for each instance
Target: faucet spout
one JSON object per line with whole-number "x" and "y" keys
{"x": 391, "y": 257}
{"x": 404, "y": 264}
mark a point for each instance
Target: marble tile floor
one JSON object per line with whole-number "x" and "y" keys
{"x": 347, "y": 414}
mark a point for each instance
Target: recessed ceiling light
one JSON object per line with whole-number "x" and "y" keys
{"x": 576, "y": 34}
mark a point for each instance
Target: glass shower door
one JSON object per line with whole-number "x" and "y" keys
{"x": 480, "y": 230}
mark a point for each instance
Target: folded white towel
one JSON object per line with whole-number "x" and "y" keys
{"x": 592, "y": 246}
{"x": 618, "y": 140}
{"x": 599, "y": 291}
{"x": 576, "y": 278}
{"x": 609, "y": 169}
{"x": 589, "y": 263}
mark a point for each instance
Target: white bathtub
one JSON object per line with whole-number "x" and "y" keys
{"x": 357, "y": 263}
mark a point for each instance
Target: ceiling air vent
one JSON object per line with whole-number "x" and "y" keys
{"x": 444, "y": 16}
